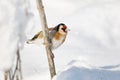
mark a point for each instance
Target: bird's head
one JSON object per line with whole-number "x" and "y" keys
{"x": 62, "y": 28}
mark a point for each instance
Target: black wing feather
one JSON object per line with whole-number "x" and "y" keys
{"x": 36, "y": 36}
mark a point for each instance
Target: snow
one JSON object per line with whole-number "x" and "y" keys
{"x": 86, "y": 72}
{"x": 90, "y": 52}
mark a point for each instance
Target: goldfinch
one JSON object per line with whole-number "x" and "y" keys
{"x": 57, "y": 36}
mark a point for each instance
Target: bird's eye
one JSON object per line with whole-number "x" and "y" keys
{"x": 63, "y": 28}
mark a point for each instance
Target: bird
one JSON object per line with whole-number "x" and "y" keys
{"x": 57, "y": 36}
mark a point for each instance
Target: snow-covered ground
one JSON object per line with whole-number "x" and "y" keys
{"x": 79, "y": 70}
{"x": 91, "y": 50}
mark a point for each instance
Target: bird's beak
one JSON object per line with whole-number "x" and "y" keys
{"x": 67, "y": 30}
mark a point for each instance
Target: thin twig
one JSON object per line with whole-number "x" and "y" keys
{"x": 18, "y": 67}
{"x": 10, "y": 74}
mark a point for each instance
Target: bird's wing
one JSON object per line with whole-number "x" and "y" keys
{"x": 37, "y": 35}
{"x": 40, "y": 34}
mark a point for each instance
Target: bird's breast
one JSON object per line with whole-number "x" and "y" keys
{"x": 58, "y": 40}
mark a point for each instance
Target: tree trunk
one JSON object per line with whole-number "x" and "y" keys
{"x": 46, "y": 38}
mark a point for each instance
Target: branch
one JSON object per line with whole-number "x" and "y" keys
{"x": 46, "y": 38}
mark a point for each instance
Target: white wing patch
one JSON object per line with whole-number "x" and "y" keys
{"x": 38, "y": 42}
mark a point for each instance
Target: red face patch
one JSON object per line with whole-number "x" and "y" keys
{"x": 64, "y": 27}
